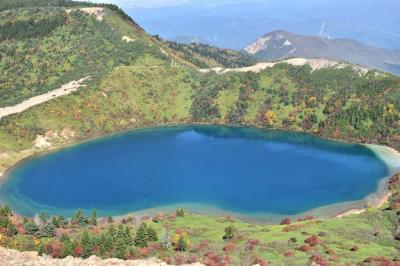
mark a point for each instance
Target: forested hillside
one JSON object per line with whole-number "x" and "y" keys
{"x": 206, "y": 56}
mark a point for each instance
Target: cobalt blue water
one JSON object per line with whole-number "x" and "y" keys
{"x": 238, "y": 169}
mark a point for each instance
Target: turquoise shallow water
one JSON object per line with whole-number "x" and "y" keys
{"x": 242, "y": 170}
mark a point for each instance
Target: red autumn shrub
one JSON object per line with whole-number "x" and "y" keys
{"x": 158, "y": 218}
{"x": 318, "y": 260}
{"x": 78, "y": 251}
{"x": 306, "y": 248}
{"x": 260, "y": 262}
{"x": 312, "y": 240}
{"x": 144, "y": 252}
{"x": 20, "y": 229}
{"x": 179, "y": 259}
{"x": 54, "y": 249}
{"x": 57, "y": 246}
{"x": 252, "y": 243}
{"x": 212, "y": 259}
{"x": 172, "y": 217}
{"x": 286, "y": 221}
{"x": 229, "y": 248}
{"x": 202, "y": 246}
{"x": 381, "y": 259}
{"x": 192, "y": 259}
{"x": 306, "y": 218}
{"x": 73, "y": 222}
{"x": 289, "y": 253}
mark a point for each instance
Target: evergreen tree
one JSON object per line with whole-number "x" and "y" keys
{"x": 55, "y": 221}
{"x": 229, "y": 232}
{"x": 142, "y": 239}
{"x": 120, "y": 249}
{"x": 41, "y": 249}
{"x": 152, "y": 234}
{"x": 181, "y": 245}
{"x": 180, "y": 212}
{"x": 65, "y": 238}
{"x": 67, "y": 248}
{"x": 110, "y": 219}
{"x": 80, "y": 217}
{"x": 47, "y": 230}
{"x": 43, "y": 217}
{"x": 31, "y": 228}
{"x": 86, "y": 245}
{"x": 93, "y": 219}
{"x": 128, "y": 236}
{"x": 111, "y": 230}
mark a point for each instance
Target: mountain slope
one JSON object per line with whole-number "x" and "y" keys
{"x": 206, "y": 56}
{"x": 281, "y": 44}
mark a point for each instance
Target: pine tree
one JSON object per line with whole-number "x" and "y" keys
{"x": 182, "y": 245}
{"x": 229, "y": 232}
{"x": 120, "y": 249}
{"x": 80, "y": 217}
{"x": 128, "y": 236}
{"x": 180, "y": 212}
{"x": 67, "y": 248}
{"x": 152, "y": 234}
{"x": 86, "y": 244}
{"x": 142, "y": 238}
{"x": 47, "y": 230}
{"x": 55, "y": 221}
{"x": 65, "y": 238}
{"x": 30, "y": 228}
{"x": 93, "y": 219}
{"x": 110, "y": 219}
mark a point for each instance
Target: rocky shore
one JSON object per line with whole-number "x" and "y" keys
{"x": 9, "y": 257}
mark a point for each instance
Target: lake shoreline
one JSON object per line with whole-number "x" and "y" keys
{"x": 387, "y": 154}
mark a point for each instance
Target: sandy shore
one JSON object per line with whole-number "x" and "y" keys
{"x": 381, "y": 202}
{"x": 63, "y": 90}
{"x": 391, "y": 158}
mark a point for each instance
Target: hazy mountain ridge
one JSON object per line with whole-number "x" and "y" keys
{"x": 234, "y": 24}
{"x": 280, "y": 44}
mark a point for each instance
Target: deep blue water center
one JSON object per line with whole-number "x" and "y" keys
{"x": 237, "y": 169}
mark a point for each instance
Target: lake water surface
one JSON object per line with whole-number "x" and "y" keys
{"x": 247, "y": 171}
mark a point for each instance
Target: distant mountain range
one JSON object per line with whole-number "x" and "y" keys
{"x": 188, "y": 39}
{"x": 235, "y": 23}
{"x": 280, "y": 44}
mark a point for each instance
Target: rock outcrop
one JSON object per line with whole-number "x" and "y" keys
{"x": 9, "y": 257}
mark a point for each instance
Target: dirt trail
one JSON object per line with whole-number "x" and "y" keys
{"x": 63, "y": 90}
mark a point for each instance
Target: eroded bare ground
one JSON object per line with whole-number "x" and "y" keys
{"x": 9, "y": 257}
{"x": 98, "y": 12}
{"x": 63, "y": 90}
{"x": 314, "y": 64}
